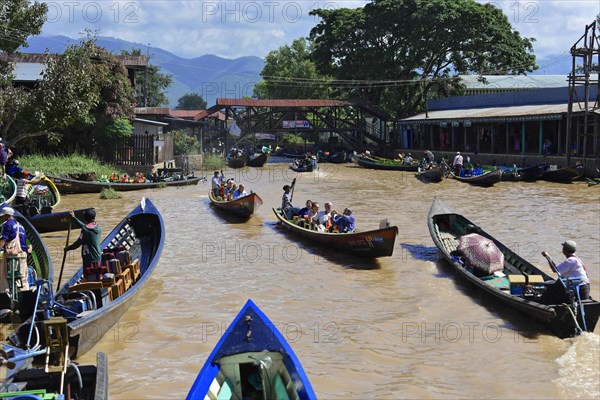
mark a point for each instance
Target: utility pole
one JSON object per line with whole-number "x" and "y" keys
{"x": 146, "y": 77}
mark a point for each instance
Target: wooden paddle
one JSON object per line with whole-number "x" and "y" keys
{"x": 62, "y": 267}
{"x": 293, "y": 186}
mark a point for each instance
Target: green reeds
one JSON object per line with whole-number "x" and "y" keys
{"x": 109, "y": 193}
{"x": 62, "y": 166}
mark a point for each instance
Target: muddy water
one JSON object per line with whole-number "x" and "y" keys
{"x": 398, "y": 327}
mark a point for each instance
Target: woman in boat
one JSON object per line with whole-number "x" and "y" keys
{"x": 13, "y": 240}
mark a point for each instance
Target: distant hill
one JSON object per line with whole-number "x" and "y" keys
{"x": 208, "y": 75}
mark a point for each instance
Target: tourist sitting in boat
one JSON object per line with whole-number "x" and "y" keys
{"x": 344, "y": 222}
{"x": 228, "y": 189}
{"x": 139, "y": 177}
{"x": 408, "y": 159}
{"x": 305, "y": 211}
{"x": 124, "y": 178}
{"x": 322, "y": 219}
{"x": 13, "y": 168}
{"x": 114, "y": 177}
{"x": 239, "y": 192}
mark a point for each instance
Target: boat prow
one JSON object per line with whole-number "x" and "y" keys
{"x": 251, "y": 358}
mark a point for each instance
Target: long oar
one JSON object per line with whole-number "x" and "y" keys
{"x": 62, "y": 267}
{"x": 553, "y": 267}
{"x": 293, "y": 186}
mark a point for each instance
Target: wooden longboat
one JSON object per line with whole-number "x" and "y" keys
{"x": 309, "y": 165}
{"x": 8, "y": 189}
{"x": 337, "y": 158}
{"x": 252, "y": 359}
{"x": 237, "y": 162}
{"x": 592, "y": 182}
{"x": 43, "y": 197}
{"x": 243, "y": 207}
{"x": 368, "y": 244}
{"x": 70, "y": 186}
{"x": 446, "y": 227}
{"x": 531, "y": 173}
{"x": 488, "y": 178}
{"x": 388, "y": 165}
{"x": 141, "y": 233}
{"x": 435, "y": 174}
{"x": 561, "y": 175}
{"x": 56, "y": 221}
{"x": 40, "y": 265}
{"x": 28, "y": 381}
{"x": 258, "y": 161}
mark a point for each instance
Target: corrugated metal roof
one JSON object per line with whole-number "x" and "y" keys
{"x": 184, "y": 113}
{"x": 495, "y": 82}
{"x": 152, "y": 110}
{"x": 28, "y": 71}
{"x": 512, "y": 113}
{"x": 150, "y": 122}
{"x": 282, "y": 103}
{"x": 205, "y": 113}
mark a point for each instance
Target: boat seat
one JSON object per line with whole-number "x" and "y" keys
{"x": 126, "y": 277}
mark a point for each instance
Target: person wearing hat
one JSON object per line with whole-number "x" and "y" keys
{"x": 573, "y": 267}
{"x": 14, "y": 240}
{"x": 23, "y": 189}
{"x": 89, "y": 240}
{"x": 457, "y": 163}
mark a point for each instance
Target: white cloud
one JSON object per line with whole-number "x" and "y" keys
{"x": 237, "y": 28}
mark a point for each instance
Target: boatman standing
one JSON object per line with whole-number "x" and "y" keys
{"x": 457, "y": 163}
{"x": 571, "y": 267}
{"x": 216, "y": 182}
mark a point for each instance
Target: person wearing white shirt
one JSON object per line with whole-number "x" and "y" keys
{"x": 457, "y": 163}
{"x": 239, "y": 192}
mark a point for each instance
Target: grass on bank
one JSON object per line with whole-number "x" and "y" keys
{"x": 62, "y": 166}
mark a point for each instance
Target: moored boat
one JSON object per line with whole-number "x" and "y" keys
{"x": 42, "y": 197}
{"x": 91, "y": 307}
{"x": 70, "y": 186}
{"x": 237, "y": 162}
{"x": 479, "y": 177}
{"x": 337, "y": 157}
{"x": 561, "y": 175}
{"x": 519, "y": 284}
{"x": 56, "y": 221}
{"x": 369, "y": 244}
{"x": 434, "y": 174}
{"x": 252, "y": 360}
{"x": 243, "y": 206}
{"x": 531, "y": 173}
{"x": 257, "y": 161}
{"x": 20, "y": 379}
{"x": 8, "y": 188}
{"x": 384, "y": 164}
{"x": 593, "y": 182}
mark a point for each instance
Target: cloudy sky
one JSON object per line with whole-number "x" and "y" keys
{"x": 231, "y": 29}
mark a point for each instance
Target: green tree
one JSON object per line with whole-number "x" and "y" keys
{"x": 184, "y": 143}
{"x": 82, "y": 93}
{"x": 191, "y": 101}
{"x": 151, "y": 84}
{"x": 19, "y": 19}
{"x": 391, "y": 52}
{"x": 289, "y": 73}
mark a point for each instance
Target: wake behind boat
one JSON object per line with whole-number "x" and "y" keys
{"x": 517, "y": 283}
{"x": 252, "y": 360}
{"x": 243, "y": 207}
{"x": 369, "y": 244}
{"x": 70, "y": 186}
{"x": 91, "y": 307}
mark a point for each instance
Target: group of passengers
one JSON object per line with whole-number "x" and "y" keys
{"x": 327, "y": 220}
{"x": 226, "y": 190}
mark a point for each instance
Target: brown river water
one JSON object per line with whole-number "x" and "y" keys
{"x": 395, "y": 328}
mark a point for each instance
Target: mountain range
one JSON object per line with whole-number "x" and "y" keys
{"x": 212, "y": 76}
{"x": 208, "y": 75}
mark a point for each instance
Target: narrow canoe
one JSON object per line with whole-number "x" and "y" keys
{"x": 258, "y": 161}
{"x": 446, "y": 227}
{"x": 43, "y": 197}
{"x": 389, "y": 165}
{"x": 243, "y": 207}
{"x": 435, "y": 174}
{"x": 237, "y": 162}
{"x": 92, "y": 308}
{"x": 487, "y": 178}
{"x": 336, "y": 158}
{"x": 70, "y": 186}
{"x": 561, "y": 175}
{"x": 252, "y": 360}
{"x": 369, "y": 244}
{"x": 8, "y": 189}
{"x": 85, "y": 382}
{"x": 531, "y": 173}
{"x": 56, "y": 221}
{"x": 308, "y": 165}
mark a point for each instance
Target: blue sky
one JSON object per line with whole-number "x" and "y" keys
{"x": 232, "y": 29}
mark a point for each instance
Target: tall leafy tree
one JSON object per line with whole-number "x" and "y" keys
{"x": 151, "y": 84}
{"x": 191, "y": 101}
{"x": 394, "y": 51}
{"x": 289, "y": 73}
{"x": 19, "y": 19}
